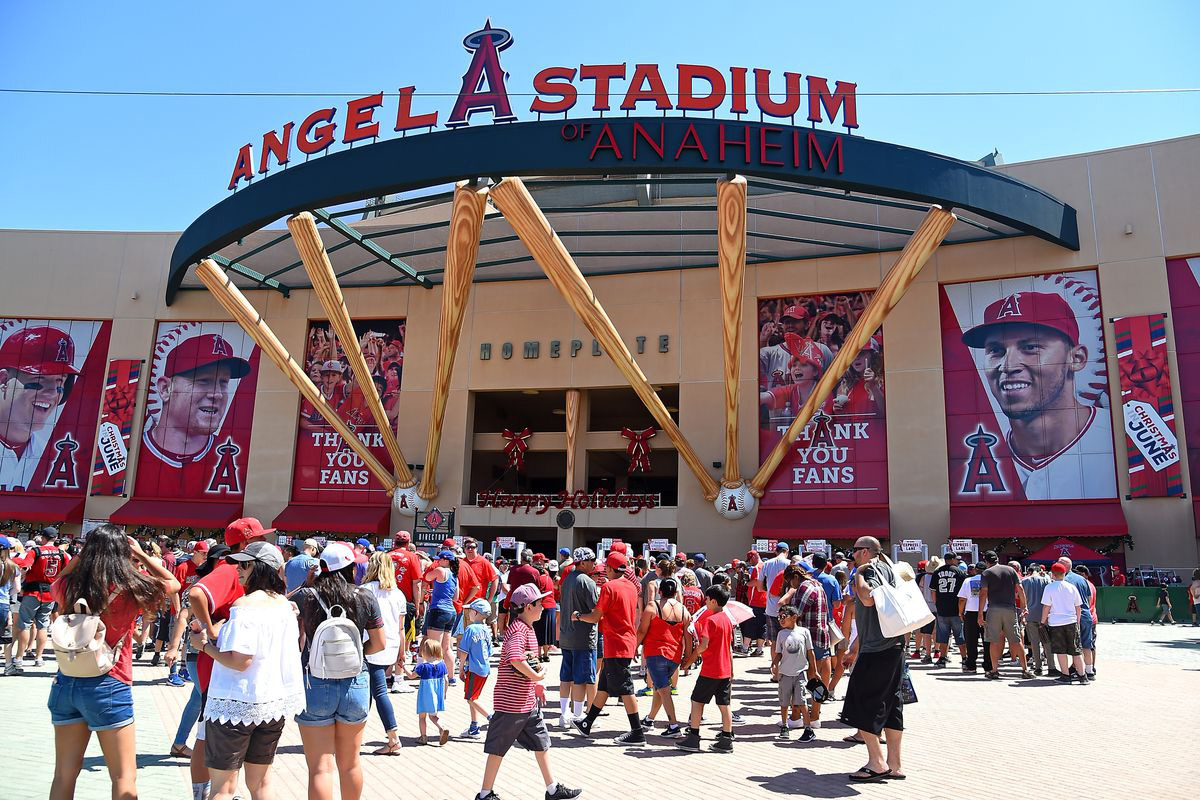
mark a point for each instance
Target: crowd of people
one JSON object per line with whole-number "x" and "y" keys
{"x": 320, "y": 632}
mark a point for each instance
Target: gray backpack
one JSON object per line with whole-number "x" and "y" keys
{"x": 336, "y": 650}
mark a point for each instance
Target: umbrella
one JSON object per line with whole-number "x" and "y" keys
{"x": 737, "y": 613}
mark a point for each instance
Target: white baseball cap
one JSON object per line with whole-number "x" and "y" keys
{"x": 336, "y": 556}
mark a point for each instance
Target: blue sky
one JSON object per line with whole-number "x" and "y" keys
{"x": 155, "y": 163}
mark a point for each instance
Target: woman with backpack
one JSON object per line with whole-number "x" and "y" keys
{"x": 340, "y": 625}
{"x": 114, "y": 579}
{"x": 381, "y": 582}
{"x": 256, "y": 680}
{"x": 442, "y": 578}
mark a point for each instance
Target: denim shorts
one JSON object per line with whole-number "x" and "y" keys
{"x": 578, "y": 666}
{"x": 104, "y": 703}
{"x": 33, "y": 611}
{"x": 661, "y": 671}
{"x": 5, "y": 633}
{"x": 1087, "y": 632}
{"x": 946, "y": 626}
{"x": 438, "y": 619}
{"x": 820, "y": 652}
{"x": 344, "y": 700}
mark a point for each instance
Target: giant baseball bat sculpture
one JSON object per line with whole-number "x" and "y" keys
{"x": 325, "y": 286}
{"x": 920, "y": 247}
{"x": 466, "y": 221}
{"x": 253, "y": 324}
{"x": 731, "y": 257}
{"x": 574, "y": 397}
{"x": 531, "y": 225}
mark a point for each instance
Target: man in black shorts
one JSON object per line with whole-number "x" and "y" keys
{"x": 715, "y": 630}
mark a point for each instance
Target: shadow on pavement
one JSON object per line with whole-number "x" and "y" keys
{"x": 806, "y": 782}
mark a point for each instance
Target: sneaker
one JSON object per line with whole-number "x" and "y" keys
{"x": 582, "y": 726}
{"x": 561, "y": 792}
{"x": 39, "y": 662}
{"x": 737, "y": 719}
{"x": 1063, "y": 678}
{"x": 808, "y": 735}
{"x": 631, "y": 739}
{"x": 1074, "y": 673}
{"x": 185, "y": 674}
{"x": 941, "y": 662}
{"x": 12, "y": 668}
{"x": 690, "y": 741}
{"x": 175, "y": 680}
{"x": 784, "y": 732}
{"x": 490, "y": 796}
{"x": 1053, "y": 672}
{"x": 647, "y": 724}
{"x": 723, "y": 744}
{"x": 138, "y": 651}
{"x": 927, "y": 659}
{"x": 1038, "y": 671}
{"x": 452, "y": 682}
{"x": 756, "y": 652}
{"x": 644, "y": 692}
{"x": 970, "y": 670}
{"x": 673, "y": 730}
{"x": 154, "y": 662}
{"x": 1084, "y": 679}
{"x": 992, "y": 675}
{"x": 471, "y": 732}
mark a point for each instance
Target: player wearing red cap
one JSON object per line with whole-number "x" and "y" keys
{"x": 194, "y": 390}
{"x": 776, "y": 352}
{"x": 804, "y": 370}
{"x": 37, "y": 370}
{"x": 1031, "y": 356}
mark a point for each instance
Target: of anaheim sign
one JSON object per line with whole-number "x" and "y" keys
{"x": 558, "y": 90}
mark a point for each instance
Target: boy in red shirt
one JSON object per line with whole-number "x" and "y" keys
{"x": 617, "y": 612}
{"x": 715, "y": 630}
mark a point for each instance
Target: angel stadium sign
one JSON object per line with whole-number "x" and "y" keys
{"x": 557, "y": 90}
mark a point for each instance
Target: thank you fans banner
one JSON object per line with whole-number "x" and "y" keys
{"x": 1147, "y": 407}
{"x": 117, "y": 409}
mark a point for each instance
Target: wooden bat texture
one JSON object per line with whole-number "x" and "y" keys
{"x": 574, "y": 397}
{"x": 325, "y": 286}
{"x": 527, "y": 220}
{"x": 253, "y": 324}
{"x": 462, "y": 247}
{"x": 934, "y": 227}
{"x": 731, "y": 256}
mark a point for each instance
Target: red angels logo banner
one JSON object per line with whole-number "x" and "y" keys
{"x": 1155, "y": 469}
{"x": 199, "y": 410}
{"x": 1183, "y": 280}
{"x": 116, "y": 423}
{"x": 51, "y": 372}
{"x": 841, "y": 456}
{"x": 326, "y": 470}
{"x": 1027, "y": 406}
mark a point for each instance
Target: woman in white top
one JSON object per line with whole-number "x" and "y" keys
{"x": 257, "y": 681}
{"x": 381, "y": 582}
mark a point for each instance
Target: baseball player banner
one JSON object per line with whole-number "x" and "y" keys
{"x": 1183, "y": 280}
{"x": 841, "y": 456}
{"x": 117, "y": 409}
{"x": 199, "y": 409}
{"x": 1147, "y": 406}
{"x": 51, "y": 372}
{"x": 1027, "y": 408}
{"x": 326, "y": 469}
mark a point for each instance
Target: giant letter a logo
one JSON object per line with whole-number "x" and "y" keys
{"x": 485, "y": 69}
{"x": 982, "y": 469}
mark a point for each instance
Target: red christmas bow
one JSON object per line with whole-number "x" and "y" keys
{"x": 639, "y": 448}
{"x": 515, "y": 445}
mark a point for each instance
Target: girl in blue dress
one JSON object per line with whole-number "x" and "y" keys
{"x": 431, "y": 693}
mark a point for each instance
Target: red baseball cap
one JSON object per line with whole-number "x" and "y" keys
{"x": 243, "y": 530}
{"x": 404, "y": 537}
{"x": 39, "y": 351}
{"x": 681, "y": 556}
{"x": 1032, "y": 308}
{"x": 616, "y": 560}
{"x": 805, "y": 350}
{"x": 795, "y": 312}
{"x": 201, "y": 547}
{"x": 735, "y": 563}
{"x": 449, "y": 543}
{"x": 1058, "y": 566}
{"x": 204, "y": 351}
{"x": 539, "y": 556}
{"x": 619, "y": 547}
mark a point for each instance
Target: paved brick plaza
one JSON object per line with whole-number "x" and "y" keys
{"x": 1135, "y": 727}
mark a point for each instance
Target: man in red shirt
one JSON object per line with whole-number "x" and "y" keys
{"x": 211, "y": 599}
{"x": 408, "y": 580}
{"x": 43, "y": 563}
{"x": 715, "y": 630}
{"x": 754, "y": 629}
{"x": 519, "y": 576}
{"x": 617, "y": 614}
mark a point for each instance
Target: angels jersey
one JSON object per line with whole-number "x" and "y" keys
{"x": 211, "y": 472}
{"x": 1081, "y": 469}
{"x": 17, "y": 468}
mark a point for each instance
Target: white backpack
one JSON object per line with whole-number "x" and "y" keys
{"x": 78, "y": 641}
{"x": 336, "y": 649}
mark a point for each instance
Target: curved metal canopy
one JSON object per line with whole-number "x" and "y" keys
{"x": 878, "y": 188}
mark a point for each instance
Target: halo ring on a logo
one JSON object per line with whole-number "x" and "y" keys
{"x": 500, "y": 38}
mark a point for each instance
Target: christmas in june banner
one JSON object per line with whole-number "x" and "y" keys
{"x": 1147, "y": 407}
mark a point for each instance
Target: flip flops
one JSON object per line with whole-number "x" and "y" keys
{"x": 865, "y": 775}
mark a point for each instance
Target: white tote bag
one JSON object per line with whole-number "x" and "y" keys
{"x": 901, "y": 608}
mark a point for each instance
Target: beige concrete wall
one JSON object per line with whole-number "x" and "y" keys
{"x": 1150, "y": 190}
